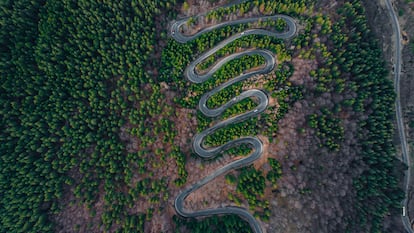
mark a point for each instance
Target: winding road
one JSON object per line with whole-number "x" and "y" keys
{"x": 262, "y": 98}
{"x": 400, "y": 121}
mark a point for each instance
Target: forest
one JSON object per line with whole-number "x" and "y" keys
{"x": 77, "y": 76}
{"x": 73, "y": 74}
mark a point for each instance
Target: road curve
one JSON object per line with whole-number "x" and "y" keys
{"x": 262, "y": 98}
{"x": 400, "y": 122}
{"x": 178, "y": 36}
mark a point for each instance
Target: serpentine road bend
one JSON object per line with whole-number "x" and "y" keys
{"x": 262, "y": 98}
{"x": 400, "y": 122}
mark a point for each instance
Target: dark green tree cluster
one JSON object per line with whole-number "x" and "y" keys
{"x": 72, "y": 73}
{"x": 180, "y": 161}
{"x": 251, "y": 185}
{"x": 30, "y": 177}
{"x": 236, "y": 130}
{"x": 280, "y": 80}
{"x": 154, "y": 190}
{"x": 240, "y": 150}
{"x": 276, "y": 172}
{"x": 377, "y": 187}
{"x": 133, "y": 224}
{"x": 213, "y": 224}
{"x": 326, "y": 78}
{"x": 244, "y": 105}
{"x": 247, "y": 62}
{"x": 203, "y": 122}
{"x": 303, "y": 40}
{"x": 175, "y": 57}
{"x": 328, "y": 129}
{"x": 231, "y": 178}
{"x": 285, "y": 99}
{"x": 291, "y": 7}
{"x": 219, "y": 13}
{"x": 280, "y": 25}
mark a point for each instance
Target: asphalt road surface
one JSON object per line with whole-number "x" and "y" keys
{"x": 400, "y": 122}
{"x": 262, "y": 98}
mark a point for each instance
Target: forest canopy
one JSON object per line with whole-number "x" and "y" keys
{"x": 90, "y": 92}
